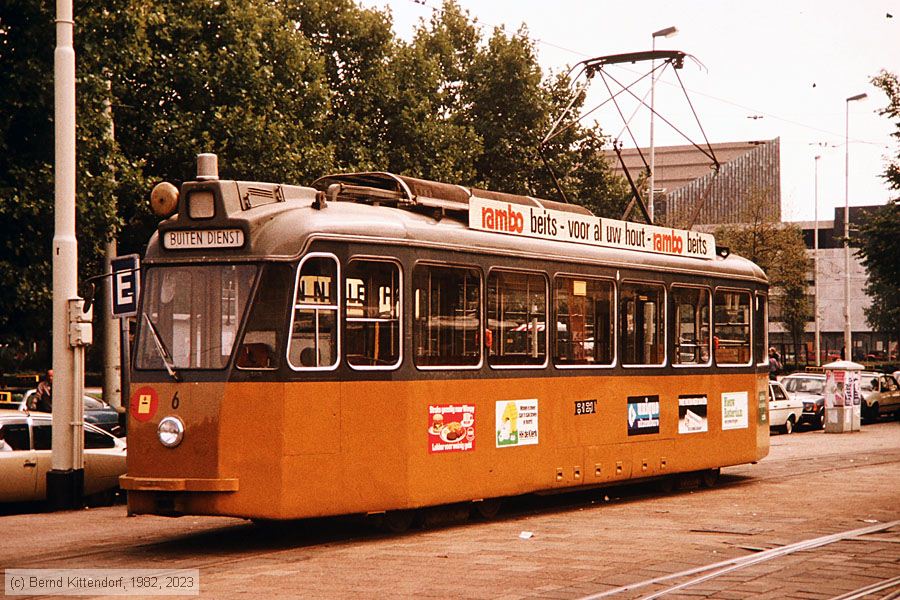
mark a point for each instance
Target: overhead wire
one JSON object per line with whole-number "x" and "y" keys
{"x": 429, "y": 5}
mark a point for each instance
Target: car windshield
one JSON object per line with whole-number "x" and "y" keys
{"x": 809, "y": 385}
{"x": 93, "y": 404}
{"x": 868, "y": 382}
{"x": 191, "y": 315}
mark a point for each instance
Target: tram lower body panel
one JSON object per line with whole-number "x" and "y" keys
{"x": 296, "y": 450}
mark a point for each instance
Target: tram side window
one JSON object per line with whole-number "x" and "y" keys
{"x": 642, "y": 324}
{"x": 263, "y": 342}
{"x": 692, "y": 325}
{"x": 761, "y": 330}
{"x": 314, "y": 327}
{"x": 516, "y": 318}
{"x": 372, "y": 317}
{"x": 732, "y": 327}
{"x": 584, "y": 321}
{"x": 447, "y": 328}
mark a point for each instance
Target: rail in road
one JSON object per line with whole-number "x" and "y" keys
{"x": 792, "y": 526}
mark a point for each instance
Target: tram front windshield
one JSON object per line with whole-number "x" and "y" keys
{"x": 191, "y": 315}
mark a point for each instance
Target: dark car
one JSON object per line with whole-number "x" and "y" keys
{"x": 96, "y": 412}
{"x": 809, "y": 388}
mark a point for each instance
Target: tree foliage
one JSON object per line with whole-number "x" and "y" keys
{"x": 877, "y": 240}
{"x": 780, "y": 252}
{"x": 281, "y": 90}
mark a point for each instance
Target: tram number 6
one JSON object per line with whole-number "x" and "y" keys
{"x": 175, "y": 401}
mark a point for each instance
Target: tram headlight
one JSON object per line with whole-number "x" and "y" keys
{"x": 170, "y": 432}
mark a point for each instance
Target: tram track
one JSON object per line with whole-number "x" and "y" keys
{"x": 721, "y": 568}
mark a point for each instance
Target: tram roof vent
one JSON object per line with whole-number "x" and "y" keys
{"x": 409, "y": 192}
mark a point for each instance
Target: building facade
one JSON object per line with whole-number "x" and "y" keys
{"x": 832, "y": 275}
{"x": 690, "y": 191}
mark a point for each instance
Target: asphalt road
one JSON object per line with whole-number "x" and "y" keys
{"x": 815, "y": 519}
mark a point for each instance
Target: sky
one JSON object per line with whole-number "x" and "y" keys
{"x": 767, "y": 69}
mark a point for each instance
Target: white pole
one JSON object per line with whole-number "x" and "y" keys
{"x": 652, "y": 181}
{"x": 112, "y": 377}
{"x": 667, "y": 32}
{"x": 67, "y": 465}
{"x": 816, "y": 267}
{"x": 848, "y": 341}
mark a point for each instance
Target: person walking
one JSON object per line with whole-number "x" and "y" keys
{"x": 44, "y": 393}
{"x": 774, "y": 363}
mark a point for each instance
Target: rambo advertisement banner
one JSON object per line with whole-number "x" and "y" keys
{"x": 536, "y": 222}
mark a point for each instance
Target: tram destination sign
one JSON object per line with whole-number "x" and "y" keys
{"x": 194, "y": 239}
{"x": 548, "y": 224}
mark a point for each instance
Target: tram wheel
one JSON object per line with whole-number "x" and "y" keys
{"x": 396, "y": 521}
{"x": 710, "y": 478}
{"x": 666, "y": 484}
{"x": 487, "y": 509}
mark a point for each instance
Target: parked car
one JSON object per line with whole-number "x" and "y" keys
{"x": 880, "y": 395}
{"x": 11, "y": 397}
{"x": 25, "y": 440}
{"x": 809, "y": 388}
{"x": 784, "y": 409}
{"x": 97, "y": 412}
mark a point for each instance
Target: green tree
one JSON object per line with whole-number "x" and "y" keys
{"x": 877, "y": 238}
{"x": 236, "y": 78}
{"x": 357, "y": 46}
{"x": 778, "y": 249}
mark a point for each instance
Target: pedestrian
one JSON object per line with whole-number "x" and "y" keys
{"x": 44, "y": 394}
{"x": 774, "y": 363}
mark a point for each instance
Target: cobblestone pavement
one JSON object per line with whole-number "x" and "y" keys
{"x": 582, "y": 545}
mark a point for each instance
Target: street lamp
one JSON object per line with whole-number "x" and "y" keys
{"x": 816, "y": 265}
{"x": 848, "y": 348}
{"x": 667, "y": 32}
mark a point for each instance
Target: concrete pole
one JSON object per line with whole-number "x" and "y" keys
{"x": 816, "y": 268}
{"x": 112, "y": 367}
{"x": 848, "y": 335}
{"x": 652, "y": 180}
{"x": 65, "y": 481}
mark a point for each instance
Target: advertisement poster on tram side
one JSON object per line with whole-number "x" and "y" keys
{"x": 643, "y": 415}
{"x": 516, "y": 423}
{"x": 451, "y": 427}
{"x": 734, "y": 410}
{"x": 692, "y": 411}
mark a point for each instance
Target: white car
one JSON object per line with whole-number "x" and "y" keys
{"x": 25, "y": 458}
{"x": 784, "y": 409}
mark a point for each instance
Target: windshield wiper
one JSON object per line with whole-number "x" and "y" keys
{"x": 163, "y": 351}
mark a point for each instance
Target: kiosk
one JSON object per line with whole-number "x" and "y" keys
{"x": 842, "y": 397}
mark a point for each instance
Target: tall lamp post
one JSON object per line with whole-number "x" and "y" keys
{"x": 667, "y": 32}
{"x": 848, "y": 348}
{"x": 816, "y": 266}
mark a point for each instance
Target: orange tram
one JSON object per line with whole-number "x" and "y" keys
{"x": 377, "y": 344}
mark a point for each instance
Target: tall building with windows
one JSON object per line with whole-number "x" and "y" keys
{"x": 867, "y": 344}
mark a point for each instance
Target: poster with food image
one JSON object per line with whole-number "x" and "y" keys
{"x": 451, "y": 427}
{"x": 734, "y": 410}
{"x": 516, "y": 423}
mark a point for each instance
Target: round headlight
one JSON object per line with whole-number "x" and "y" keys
{"x": 170, "y": 431}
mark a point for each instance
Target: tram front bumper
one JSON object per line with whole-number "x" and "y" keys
{"x": 177, "y": 484}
